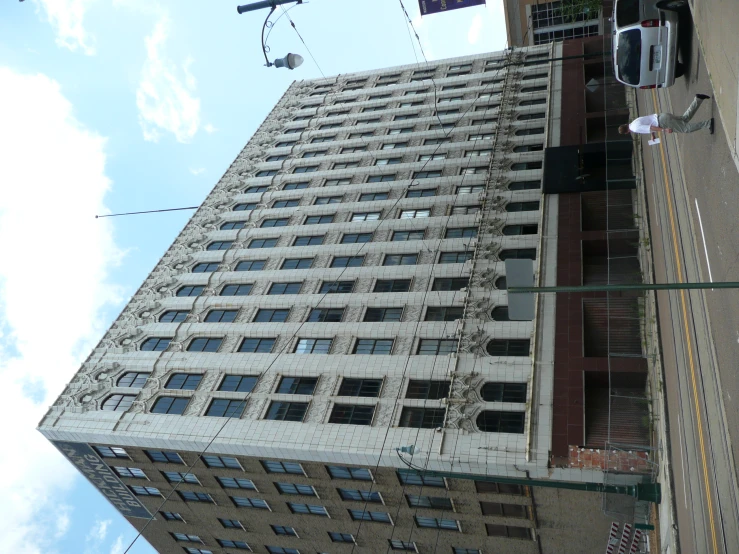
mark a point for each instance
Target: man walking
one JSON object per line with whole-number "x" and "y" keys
{"x": 668, "y": 122}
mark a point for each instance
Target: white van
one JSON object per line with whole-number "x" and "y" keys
{"x": 645, "y": 42}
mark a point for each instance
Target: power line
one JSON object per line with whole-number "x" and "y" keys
{"x": 292, "y": 23}
{"x": 148, "y": 212}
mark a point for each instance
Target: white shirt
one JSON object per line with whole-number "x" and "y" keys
{"x": 643, "y": 124}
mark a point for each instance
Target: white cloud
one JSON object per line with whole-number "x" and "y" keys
{"x": 54, "y": 182}
{"x": 209, "y": 128}
{"x": 62, "y": 520}
{"x": 166, "y": 96}
{"x": 67, "y": 19}
{"x": 473, "y": 35}
{"x": 96, "y": 536}
{"x": 197, "y": 170}
{"x": 118, "y": 546}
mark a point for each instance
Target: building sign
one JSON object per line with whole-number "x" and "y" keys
{"x": 86, "y": 460}
{"x": 436, "y": 6}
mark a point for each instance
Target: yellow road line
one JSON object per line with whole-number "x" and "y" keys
{"x": 709, "y": 501}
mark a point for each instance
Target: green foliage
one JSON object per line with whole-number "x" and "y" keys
{"x": 571, "y": 9}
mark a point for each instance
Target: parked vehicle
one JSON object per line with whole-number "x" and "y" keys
{"x": 645, "y": 42}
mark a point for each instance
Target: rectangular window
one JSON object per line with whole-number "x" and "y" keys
{"x": 471, "y": 189}
{"x": 501, "y": 422}
{"x": 205, "y": 345}
{"x": 234, "y": 483}
{"x": 400, "y": 259}
{"x": 444, "y": 313}
{"x": 363, "y": 134}
{"x": 458, "y": 550}
{"x": 319, "y": 140}
{"x": 285, "y": 288}
{"x": 178, "y": 477}
{"x": 336, "y": 287}
{"x": 297, "y": 263}
{"x": 366, "y": 216}
{"x": 436, "y": 347}
{"x": 172, "y": 316}
{"x": 420, "y": 193}
{"x": 450, "y": 283}
{"x": 251, "y": 265}
{"x": 286, "y": 203}
{"x": 155, "y": 344}
{"x": 383, "y": 314}
{"x": 499, "y": 488}
{"x": 401, "y": 131}
{"x": 364, "y": 515}
{"x": 354, "y": 238}
{"x": 377, "y": 347}
{"x": 164, "y": 456}
{"x": 295, "y": 489}
{"x": 257, "y": 345}
{"x": 184, "y": 381}
{"x": 341, "y": 537}
{"x": 392, "y": 285}
{"x": 292, "y": 468}
{"x": 350, "y": 414}
{"x": 244, "y": 502}
{"x": 504, "y": 510}
{"x": 465, "y": 210}
{"x": 415, "y": 214}
{"x": 360, "y": 496}
{"x": 474, "y": 171}
{"x": 325, "y": 200}
{"x": 422, "y": 418}
{"x": 325, "y": 315}
{"x": 442, "y": 113}
{"x": 437, "y": 523}
{"x": 236, "y": 290}
{"x": 399, "y": 236}
{"x": 347, "y": 261}
{"x": 172, "y": 516}
{"x": 239, "y": 545}
{"x": 411, "y": 477}
{"x": 397, "y": 544}
{"x": 190, "y": 496}
{"x": 504, "y": 392}
{"x": 221, "y": 407}
{"x": 307, "y": 509}
{"x": 231, "y": 523}
{"x": 313, "y": 346}
{"x": 221, "y": 462}
{"x": 184, "y": 537}
{"x": 381, "y": 178}
{"x": 263, "y": 243}
{"x": 454, "y": 257}
{"x": 266, "y": 173}
{"x": 271, "y": 316}
{"x": 368, "y": 388}
{"x": 238, "y": 383}
{"x": 388, "y": 161}
{"x": 427, "y": 390}
{"x": 508, "y": 531}
{"x": 296, "y": 186}
{"x": 433, "y": 502}
{"x": 353, "y": 473}
{"x": 373, "y": 196}
{"x": 480, "y": 136}
{"x": 394, "y": 145}
{"x": 283, "y": 531}
{"x": 306, "y": 169}
{"x": 318, "y": 219}
{"x": 130, "y": 472}
{"x": 308, "y": 241}
{"x": 345, "y": 165}
{"x": 286, "y": 411}
{"x": 297, "y": 385}
{"x": 427, "y": 174}
{"x": 461, "y": 233}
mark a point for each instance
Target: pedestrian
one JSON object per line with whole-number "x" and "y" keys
{"x": 669, "y": 122}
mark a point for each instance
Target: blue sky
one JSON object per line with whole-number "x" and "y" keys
{"x": 127, "y": 105}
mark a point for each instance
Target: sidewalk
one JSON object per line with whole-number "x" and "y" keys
{"x": 717, "y": 29}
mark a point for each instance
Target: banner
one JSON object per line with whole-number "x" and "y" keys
{"x": 86, "y": 460}
{"x": 436, "y": 6}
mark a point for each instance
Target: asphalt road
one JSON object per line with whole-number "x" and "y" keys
{"x": 693, "y": 194}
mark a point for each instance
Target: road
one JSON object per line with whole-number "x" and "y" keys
{"x": 693, "y": 194}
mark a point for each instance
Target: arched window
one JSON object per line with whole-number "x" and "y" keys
{"x": 133, "y": 379}
{"x": 509, "y": 347}
{"x": 500, "y": 313}
{"x": 501, "y": 422}
{"x": 501, "y": 283}
{"x": 118, "y": 402}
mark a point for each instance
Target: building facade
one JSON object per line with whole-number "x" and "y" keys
{"x": 340, "y": 294}
{"x": 535, "y": 22}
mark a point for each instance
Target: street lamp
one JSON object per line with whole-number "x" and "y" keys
{"x": 291, "y": 61}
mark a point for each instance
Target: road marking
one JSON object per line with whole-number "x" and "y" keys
{"x": 682, "y": 464}
{"x": 703, "y": 236}
{"x": 688, "y": 342}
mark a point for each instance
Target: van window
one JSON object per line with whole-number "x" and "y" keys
{"x": 628, "y": 56}
{"x": 627, "y": 12}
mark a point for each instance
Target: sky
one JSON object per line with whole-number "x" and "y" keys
{"x": 127, "y": 105}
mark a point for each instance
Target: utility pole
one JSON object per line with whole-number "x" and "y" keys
{"x": 264, "y": 4}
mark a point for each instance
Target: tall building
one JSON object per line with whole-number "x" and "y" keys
{"x": 341, "y": 293}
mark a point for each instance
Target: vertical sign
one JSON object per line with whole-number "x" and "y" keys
{"x": 86, "y": 460}
{"x": 437, "y": 6}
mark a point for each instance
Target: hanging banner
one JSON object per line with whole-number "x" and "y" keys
{"x": 87, "y": 462}
{"x": 437, "y": 6}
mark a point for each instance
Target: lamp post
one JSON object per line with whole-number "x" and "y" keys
{"x": 291, "y": 61}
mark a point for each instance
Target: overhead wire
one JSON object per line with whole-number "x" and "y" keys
{"x": 292, "y": 24}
